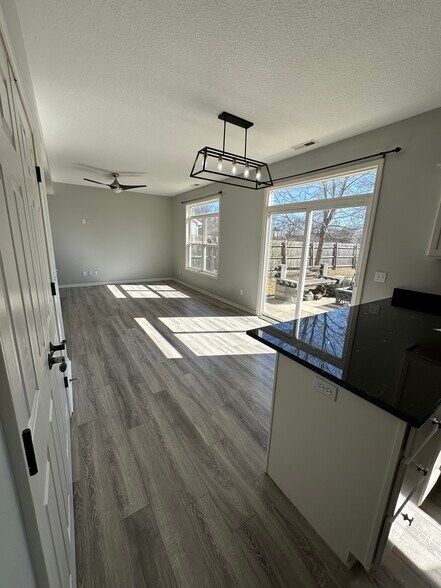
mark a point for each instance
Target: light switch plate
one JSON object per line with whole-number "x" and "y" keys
{"x": 326, "y": 388}
{"x": 380, "y": 277}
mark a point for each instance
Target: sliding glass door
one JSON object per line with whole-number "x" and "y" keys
{"x": 285, "y": 245}
{"x": 315, "y": 253}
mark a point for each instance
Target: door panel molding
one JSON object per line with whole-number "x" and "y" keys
{"x": 32, "y": 395}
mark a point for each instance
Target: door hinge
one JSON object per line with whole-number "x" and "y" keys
{"x": 38, "y": 172}
{"x": 29, "y": 452}
{"x": 53, "y": 289}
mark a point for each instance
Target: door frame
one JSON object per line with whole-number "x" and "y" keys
{"x": 370, "y": 201}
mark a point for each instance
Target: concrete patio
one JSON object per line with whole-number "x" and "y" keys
{"x": 282, "y": 310}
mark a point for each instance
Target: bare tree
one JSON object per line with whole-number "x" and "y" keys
{"x": 340, "y": 222}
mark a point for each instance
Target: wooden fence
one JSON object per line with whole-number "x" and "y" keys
{"x": 335, "y": 255}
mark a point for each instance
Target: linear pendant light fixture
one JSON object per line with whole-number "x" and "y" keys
{"x": 216, "y": 165}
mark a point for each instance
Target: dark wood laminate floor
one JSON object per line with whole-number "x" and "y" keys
{"x": 172, "y": 408}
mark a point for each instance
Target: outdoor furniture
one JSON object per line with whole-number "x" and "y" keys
{"x": 343, "y": 296}
{"x": 286, "y": 289}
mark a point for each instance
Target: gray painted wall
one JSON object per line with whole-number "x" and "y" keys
{"x": 15, "y": 562}
{"x": 128, "y": 236}
{"x": 409, "y": 198}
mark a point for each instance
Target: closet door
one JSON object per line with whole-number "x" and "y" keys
{"x": 36, "y": 400}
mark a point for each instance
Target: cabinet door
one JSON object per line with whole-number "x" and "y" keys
{"x": 417, "y": 474}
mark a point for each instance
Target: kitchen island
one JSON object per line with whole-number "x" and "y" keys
{"x": 355, "y": 420}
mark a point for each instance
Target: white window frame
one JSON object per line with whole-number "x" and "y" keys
{"x": 368, "y": 200}
{"x": 203, "y": 244}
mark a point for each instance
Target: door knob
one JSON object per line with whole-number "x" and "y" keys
{"x": 60, "y": 360}
{"x": 60, "y": 347}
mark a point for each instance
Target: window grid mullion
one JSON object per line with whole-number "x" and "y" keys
{"x": 191, "y": 242}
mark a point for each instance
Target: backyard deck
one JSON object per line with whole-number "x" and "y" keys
{"x": 285, "y": 311}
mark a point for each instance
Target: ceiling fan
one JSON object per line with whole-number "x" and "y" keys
{"x": 115, "y": 186}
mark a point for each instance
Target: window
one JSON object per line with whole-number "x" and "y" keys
{"x": 340, "y": 186}
{"x": 202, "y": 240}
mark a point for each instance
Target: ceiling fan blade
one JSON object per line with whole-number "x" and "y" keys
{"x": 94, "y": 169}
{"x": 132, "y": 173}
{"x": 95, "y": 182}
{"x": 124, "y": 187}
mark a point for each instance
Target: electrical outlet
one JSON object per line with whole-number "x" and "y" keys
{"x": 84, "y": 221}
{"x": 380, "y": 277}
{"x": 326, "y": 388}
{"x": 95, "y": 272}
{"x": 241, "y": 292}
{"x": 84, "y": 273}
{"x": 180, "y": 271}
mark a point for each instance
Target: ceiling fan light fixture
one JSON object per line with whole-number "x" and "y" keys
{"x": 115, "y": 186}
{"x": 209, "y": 164}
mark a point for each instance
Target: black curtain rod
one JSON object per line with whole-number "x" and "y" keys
{"x": 382, "y": 153}
{"x": 201, "y": 197}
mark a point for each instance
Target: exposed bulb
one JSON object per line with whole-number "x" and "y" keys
{"x": 246, "y": 171}
{"x": 258, "y": 174}
{"x": 219, "y": 164}
{"x": 117, "y": 190}
{"x": 234, "y": 167}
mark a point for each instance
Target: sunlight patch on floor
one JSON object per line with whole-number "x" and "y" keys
{"x": 161, "y": 287}
{"x": 207, "y": 344}
{"x": 115, "y": 291}
{"x": 131, "y": 287}
{"x": 421, "y": 543}
{"x": 142, "y": 294}
{"x": 174, "y": 294}
{"x": 207, "y": 324}
{"x": 165, "y": 347}
{"x": 150, "y": 291}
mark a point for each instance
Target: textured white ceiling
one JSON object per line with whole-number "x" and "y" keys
{"x": 138, "y": 84}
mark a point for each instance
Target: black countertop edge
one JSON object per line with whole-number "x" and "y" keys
{"x": 414, "y": 422}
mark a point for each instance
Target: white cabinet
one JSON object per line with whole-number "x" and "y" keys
{"x": 435, "y": 242}
{"x": 348, "y": 466}
{"x": 335, "y": 460}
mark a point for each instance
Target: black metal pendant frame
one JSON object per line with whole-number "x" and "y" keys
{"x": 202, "y": 170}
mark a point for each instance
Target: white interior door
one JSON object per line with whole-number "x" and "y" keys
{"x": 36, "y": 398}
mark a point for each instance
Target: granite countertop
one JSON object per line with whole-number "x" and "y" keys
{"x": 386, "y": 354}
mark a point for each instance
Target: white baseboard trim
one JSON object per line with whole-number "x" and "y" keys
{"x": 211, "y": 295}
{"x": 140, "y": 280}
